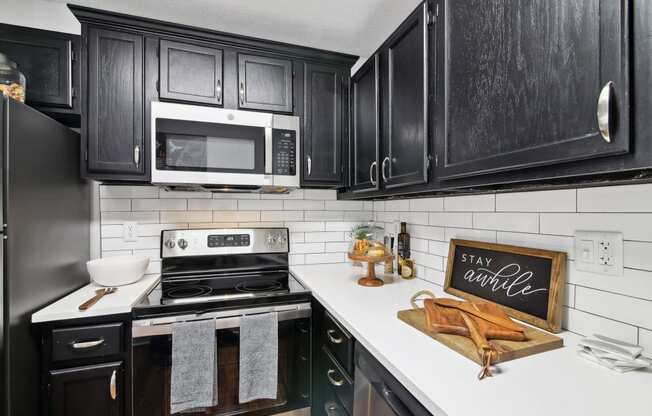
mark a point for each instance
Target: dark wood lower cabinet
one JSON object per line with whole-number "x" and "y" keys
{"x": 96, "y": 390}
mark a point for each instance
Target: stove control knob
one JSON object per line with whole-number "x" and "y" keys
{"x": 182, "y": 244}
{"x": 271, "y": 240}
{"x": 169, "y": 243}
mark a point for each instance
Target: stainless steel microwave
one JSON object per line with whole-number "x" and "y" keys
{"x": 224, "y": 150}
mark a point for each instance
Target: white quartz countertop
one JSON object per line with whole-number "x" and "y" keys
{"x": 552, "y": 383}
{"x": 116, "y": 303}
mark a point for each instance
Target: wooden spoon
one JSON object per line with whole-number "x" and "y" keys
{"x": 99, "y": 294}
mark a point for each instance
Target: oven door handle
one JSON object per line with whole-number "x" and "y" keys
{"x": 142, "y": 329}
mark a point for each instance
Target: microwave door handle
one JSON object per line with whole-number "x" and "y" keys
{"x": 268, "y": 150}
{"x": 391, "y": 399}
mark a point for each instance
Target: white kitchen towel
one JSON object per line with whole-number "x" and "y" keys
{"x": 194, "y": 366}
{"x": 258, "y": 357}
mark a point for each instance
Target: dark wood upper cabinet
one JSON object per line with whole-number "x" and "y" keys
{"x": 91, "y": 390}
{"x": 115, "y": 129}
{"x": 190, "y": 73}
{"x": 522, "y": 81}
{"x": 49, "y": 62}
{"x": 365, "y": 127}
{"x": 323, "y": 125}
{"x": 405, "y": 134}
{"x": 264, "y": 83}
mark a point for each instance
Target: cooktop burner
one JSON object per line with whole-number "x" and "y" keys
{"x": 188, "y": 291}
{"x": 259, "y": 286}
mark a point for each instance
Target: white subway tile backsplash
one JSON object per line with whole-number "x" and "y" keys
{"x": 121, "y": 217}
{"x": 324, "y": 215}
{"x": 109, "y": 244}
{"x": 397, "y": 205}
{"x": 297, "y": 259}
{"x": 186, "y": 216}
{"x": 434, "y": 276}
{"x": 294, "y": 194}
{"x": 303, "y": 248}
{"x": 115, "y": 204}
{"x": 341, "y": 226}
{"x": 222, "y": 195}
{"x": 212, "y": 205}
{"x": 163, "y": 193}
{"x": 343, "y": 205}
{"x": 119, "y": 191}
{"x": 419, "y": 244}
{"x": 236, "y": 216}
{"x": 617, "y": 307}
{"x": 637, "y": 255}
{"x": 297, "y": 238}
{"x": 469, "y": 234}
{"x": 428, "y": 260}
{"x": 569, "y": 295}
{"x": 439, "y": 248}
{"x": 628, "y": 198}
{"x": 303, "y": 205}
{"x": 320, "y": 194}
{"x": 281, "y": 216}
{"x": 513, "y": 221}
{"x": 324, "y": 258}
{"x": 305, "y": 226}
{"x": 470, "y": 203}
{"x": 324, "y": 236}
{"x": 563, "y": 200}
{"x": 419, "y": 218}
{"x": 587, "y": 324}
{"x": 262, "y": 205}
{"x": 637, "y": 283}
{"x": 427, "y": 232}
{"x": 452, "y": 219}
{"x": 633, "y": 226}
{"x": 545, "y": 242}
{"x": 358, "y": 215}
{"x": 427, "y": 204}
{"x": 645, "y": 341}
{"x": 337, "y": 247}
{"x": 152, "y": 253}
{"x": 159, "y": 204}
{"x": 379, "y": 205}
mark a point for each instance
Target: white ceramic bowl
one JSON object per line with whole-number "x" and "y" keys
{"x": 117, "y": 271}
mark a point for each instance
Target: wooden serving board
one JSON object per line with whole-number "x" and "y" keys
{"x": 538, "y": 341}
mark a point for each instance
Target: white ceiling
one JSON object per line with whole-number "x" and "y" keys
{"x": 352, "y": 26}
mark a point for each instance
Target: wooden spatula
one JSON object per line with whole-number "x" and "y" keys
{"x": 99, "y": 294}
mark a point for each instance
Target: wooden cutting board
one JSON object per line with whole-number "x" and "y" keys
{"x": 538, "y": 341}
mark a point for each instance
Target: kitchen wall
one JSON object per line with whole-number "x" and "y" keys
{"x": 616, "y": 306}
{"x": 318, "y": 223}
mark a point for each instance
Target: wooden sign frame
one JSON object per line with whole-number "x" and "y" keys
{"x": 552, "y": 322}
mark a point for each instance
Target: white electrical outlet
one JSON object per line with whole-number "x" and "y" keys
{"x": 130, "y": 231}
{"x": 599, "y": 252}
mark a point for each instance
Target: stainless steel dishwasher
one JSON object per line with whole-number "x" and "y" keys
{"x": 378, "y": 393}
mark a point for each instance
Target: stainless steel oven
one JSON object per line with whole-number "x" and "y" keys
{"x": 218, "y": 148}
{"x": 378, "y": 393}
{"x": 152, "y": 352}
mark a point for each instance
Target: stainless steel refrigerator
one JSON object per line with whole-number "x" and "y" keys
{"x": 44, "y": 241}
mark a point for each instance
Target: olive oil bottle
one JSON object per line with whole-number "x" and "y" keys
{"x": 403, "y": 249}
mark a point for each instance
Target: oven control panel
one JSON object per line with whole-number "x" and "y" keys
{"x": 185, "y": 243}
{"x": 285, "y": 152}
{"x": 229, "y": 240}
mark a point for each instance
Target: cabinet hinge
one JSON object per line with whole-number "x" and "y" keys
{"x": 430, "y": 18}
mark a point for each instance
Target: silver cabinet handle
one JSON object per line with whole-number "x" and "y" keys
{"x": 604, "y": 106}
{"x": 242, "y": 93}
{"x": 382, "y": 168}
{"x": 113, "y": 388}
{"x": 87, "y": 344}
{"x": 336, "y": 383}
{"x": 371, "y": 173}
{"x": 137, "y": 155}
{"x": 309, "y": 165}
{"x": 218, "y": 90}
{"x": 331, "y": 338}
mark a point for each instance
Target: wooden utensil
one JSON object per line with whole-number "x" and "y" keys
{"x": 99, "y": 294}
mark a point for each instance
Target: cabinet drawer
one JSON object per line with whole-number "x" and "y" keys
{"x": 86, "y": 341}
{"x": 338, "y": 385}
{"x": 338, "y": 341}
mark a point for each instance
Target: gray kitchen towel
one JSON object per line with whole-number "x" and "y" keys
{"x": 258, "y": 357}
{"x": 194, "y": 366}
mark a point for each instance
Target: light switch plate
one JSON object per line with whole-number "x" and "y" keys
{"x": 599, "y": 252}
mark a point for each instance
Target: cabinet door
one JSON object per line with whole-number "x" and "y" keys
{"x": 323, "y": 127}
{"x": 190, "y": 73}
{"x": 523, "y": 80}
{"x": 93, "y": 390}
{"x": 46, "y": 60}
{"x": 406, "y": 155}
{"x": 115, "y": 102}
{"x": 365, "y": 127}
{"x": 264, "y": 83}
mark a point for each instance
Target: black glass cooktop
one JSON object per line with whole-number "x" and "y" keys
{"x": 214, "y": 291}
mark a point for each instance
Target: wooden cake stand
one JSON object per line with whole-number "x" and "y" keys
{"x": 370, "y": 280}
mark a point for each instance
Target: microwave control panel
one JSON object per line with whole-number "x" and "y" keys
{"x": 285, "y": 152}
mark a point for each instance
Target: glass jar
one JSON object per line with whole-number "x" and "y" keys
{"x": 366, "y": 237}
{"x": 12, "y": 81}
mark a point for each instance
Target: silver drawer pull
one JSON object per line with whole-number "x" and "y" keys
{"x": 113, "y": 389}
{"x": 334, "y": 340}
{"x": 336, "y": 383}
{"x": 87, "y": 344}
{"x": 604, "y": 109}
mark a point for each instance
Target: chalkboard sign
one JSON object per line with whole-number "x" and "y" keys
{"x": 528, "y": 282}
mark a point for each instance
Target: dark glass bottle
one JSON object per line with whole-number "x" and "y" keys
{"x": 403, "y": 249}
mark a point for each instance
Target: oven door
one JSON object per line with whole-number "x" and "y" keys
{"x": 205, "y": 145}
{"x": 152, "y": 352}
